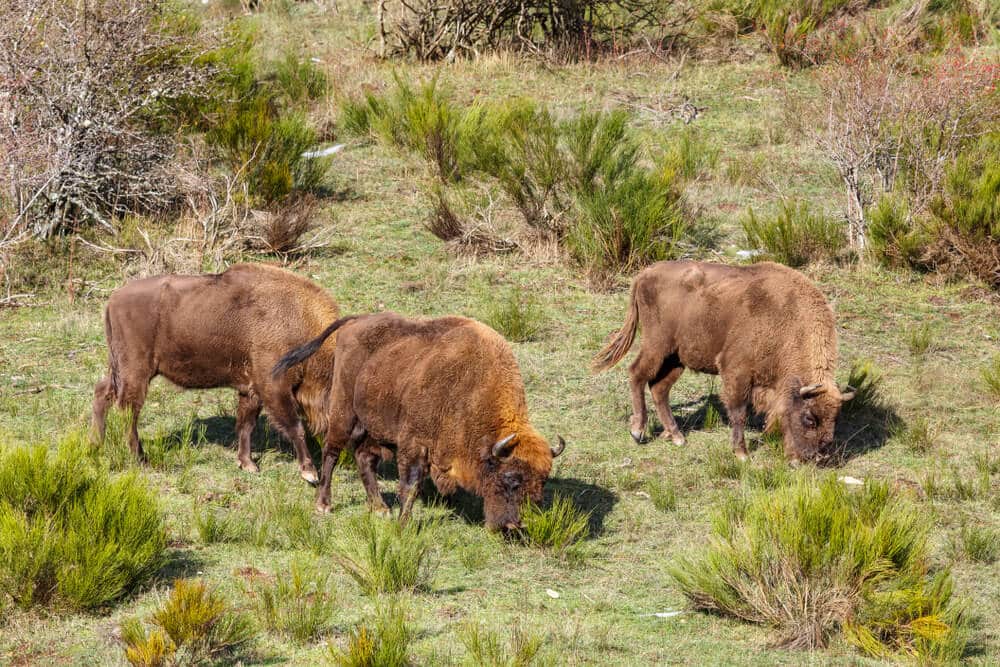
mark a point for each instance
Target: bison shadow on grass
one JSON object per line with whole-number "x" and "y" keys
{"x": 221, "y": 430}
{"x": 587, "y": 497}
{"x": 861, "y": 427}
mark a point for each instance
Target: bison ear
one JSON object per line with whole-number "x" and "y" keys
{"x": 503, "y": 448}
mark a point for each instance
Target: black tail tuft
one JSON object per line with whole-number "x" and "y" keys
{"x": 300, "y": 354}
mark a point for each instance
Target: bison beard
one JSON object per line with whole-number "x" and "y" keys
{"x": 447, "y": 395}
{"x": 224, "y": 330}
{"x": 765, "y": 329}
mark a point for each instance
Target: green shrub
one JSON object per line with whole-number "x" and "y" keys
{"x": 517, "y": 315}
{"x": 688, "y": 155}
{"x": 628, "y": 225}
{"x": 385, "y": 556}
{"x": 72, "y": 535}
{"x": 977, "y": 544}
{"x": 194, "y": 626}
{"x": 815, "y": 558}
{"x": 795, "y": 236}
{"x": 990, "y": 374}
{"x": 663, "y": 494}
{"x": 384, "y": 643}
{"x": 299, "y": 80}
{"x": 490, "y": 648}
{"x": 894, "y": 237}
{"x": 556, "y": 529}
{"x": 297, "y": 603}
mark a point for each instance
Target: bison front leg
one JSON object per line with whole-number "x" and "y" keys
{"x": 736, "y": 398}
{"x": 247, "y": 412}
{"x": 412, "y": 470}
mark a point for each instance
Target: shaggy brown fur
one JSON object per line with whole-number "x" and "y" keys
{"x": 446, "y": 393}
{"x": 224, "y": 330}
{"x": 765, "y": 329}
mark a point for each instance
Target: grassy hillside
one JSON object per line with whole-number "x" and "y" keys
{"x": 382, "y": 257}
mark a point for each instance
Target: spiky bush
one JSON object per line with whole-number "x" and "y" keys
{"x": 517, "y": 315}
{"x": 381, "y": 643}
{"x": 72, "y": 535}
{"x": 557, "y": 528}
{"x": 298, "y": 604}
{"x": 990, "y": 374}
{"x": 194, "y": 625}
{"x": 386, "y": 556}
{"x": 796, "y": 235}
{"x": 813, "y": 559}
{"x": 977, "y": 544}
{"x": 515, "y": 647}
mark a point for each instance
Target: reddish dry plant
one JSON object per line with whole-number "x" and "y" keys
{"x": 85, "y": 121}
{"x": 881, "y": 121}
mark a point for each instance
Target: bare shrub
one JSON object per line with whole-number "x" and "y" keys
{"x": 432, "y": 30}
{"x": 886, "y": 126}
{"x": 284, "y": 229}
{"x": 84, "y": 85}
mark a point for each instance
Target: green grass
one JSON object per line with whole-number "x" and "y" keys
{"x": 516, "y": 315}
{"x": 663, "y": 494}
{"x": 796, "y": 235}
{"x": 513, "y": 647}
{"x": 384, "y": 556}
{"x": 297, "y": 602}
{"x": 557, "y": 528}
{"x": 978, "y": 544}
{"x": 991, "y": 377}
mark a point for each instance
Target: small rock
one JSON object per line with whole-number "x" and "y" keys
{"x": 551, "y": 593}
{"x": 853, "y": 481}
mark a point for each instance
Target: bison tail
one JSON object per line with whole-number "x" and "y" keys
{"x": 300, "y": 354}
{"x": 622, "y": 340}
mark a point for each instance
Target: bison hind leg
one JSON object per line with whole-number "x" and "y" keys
{"x": 660, "y": 389}
{"x": 104, "y": 395}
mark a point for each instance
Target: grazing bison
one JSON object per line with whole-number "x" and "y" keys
{"x": 765, "y": 329}
{"x": 224, "y": 330}
{"x": 448, "y": 394}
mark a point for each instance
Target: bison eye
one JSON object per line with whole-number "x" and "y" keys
{"x": 511, "y": 480}
{"x": 808, "y": 420}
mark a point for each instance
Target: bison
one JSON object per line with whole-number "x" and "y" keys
{"x": 447, "y": 395}
{"x": 765, "y": 329}
{"x": 224, "y": 330}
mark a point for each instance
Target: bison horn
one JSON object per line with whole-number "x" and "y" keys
{"x": 503, "y": 448}
{"x": 560, "y": 446}
{"x": 811, "y": 390}
{"x": 848, "y": 393}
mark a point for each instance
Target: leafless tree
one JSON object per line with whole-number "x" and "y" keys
{"x": 85, "y": 93}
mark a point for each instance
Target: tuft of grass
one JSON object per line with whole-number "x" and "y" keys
{"x": 386, "y": 556}
{"x": 713, "y": 419}
{"x": 920, "y": 339}
{"x": 213, "y": 525}
{"x": 195, "y": 625}
{"x": 516, "y": 315}
{"x": 556, "y": 529}
{"x": 72, "y": 535}
{"x": 297, "y": 604}
{"x": 977, "y": 544}
{"x": 917, "y": 436}
{"x": 795, "y": 236}
{"x": 491, "y": 648}
{"x": 991, "y": 377}
{"x": 723, "y": 464}
{"x": 663, "y": 494}
{"x": 382, "y": 643}
{"x": 299, "y": 80}
{"x": 688, "y": 156}
{"x": 814, "y": 558}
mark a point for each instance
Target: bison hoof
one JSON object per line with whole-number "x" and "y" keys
{"x": 678, "y": 440}
{"x": 382, "y": 511}
{"x": 249, "y": 466}
{"x": 322, "y": 507}
{"x": 741, "y": 454}
{"x": 637, "y": 436}
{"x": 310, "y": 476}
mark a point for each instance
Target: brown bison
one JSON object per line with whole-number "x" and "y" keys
{"x": 224, "y": 330}
{"x": 447, "y": 393}
{"x": 765, "y": 329}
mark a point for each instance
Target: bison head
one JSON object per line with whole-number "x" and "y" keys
{"x": 514, "y": 469}
{"x": 809, "y": 416}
